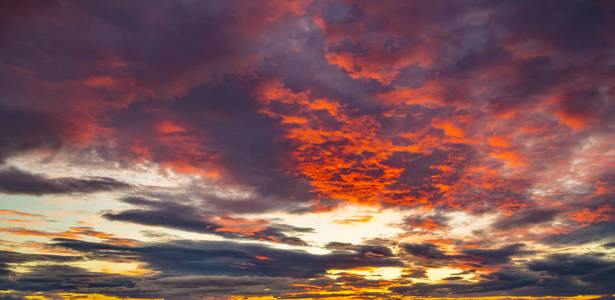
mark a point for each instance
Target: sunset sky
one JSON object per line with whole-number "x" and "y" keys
{"x": 307, "y": 149}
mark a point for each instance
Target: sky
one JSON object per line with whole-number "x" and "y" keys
{"x": 307, "y": 149}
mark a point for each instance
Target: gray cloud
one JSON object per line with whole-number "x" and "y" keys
{"x": 231, "y": 258}
{"x": 174, "y": 215}
{"x": 16, "y": 181}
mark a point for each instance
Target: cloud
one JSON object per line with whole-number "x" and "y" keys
{"x": 185, "y": 217}
{"x": 429, "y": 251}
{"x": 529, "y": 217}
{"x": 446, "y": 114}
{"x": 65, "y": 278}
{"x": 18, "y": 213}
{"x": 365, "y": 250}
{"x": 570, "y": 264}
{"x": 73, "y": 232}
{"x": 16, "y": 257}
{"x": 499, "y": 283}
{"x": 24, "y": 130}
{"x": 556, "y": 275}
{"x": 16, "y": 181}
{"x": 231, "y": 258}
{"x": 8, "y": 258}
{"x": 500, "y": 255}
{"x": 62, "y": 279}
{"x": 237, "y": 143}
{"x": 609, "y": 245}
{"x": 427, "y": 223}
{"x": 583, "y": 235}
{"x": 473, "y": 256}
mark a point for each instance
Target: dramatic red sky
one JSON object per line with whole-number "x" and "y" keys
{"x": 307, "y": 149}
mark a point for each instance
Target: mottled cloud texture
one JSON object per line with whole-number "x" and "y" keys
{"x": 307, "y": 149}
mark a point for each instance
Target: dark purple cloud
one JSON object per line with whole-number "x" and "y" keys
{"x": 497, "y": 111}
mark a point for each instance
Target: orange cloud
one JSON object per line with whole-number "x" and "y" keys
{"x": 7, "y": 212}
{"x": 346, "y": 163}
{"x": 351, "y": 221}
{"x": 588, "y": 217}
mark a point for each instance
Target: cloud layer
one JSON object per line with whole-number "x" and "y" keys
{"x": 306, "y": 149}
